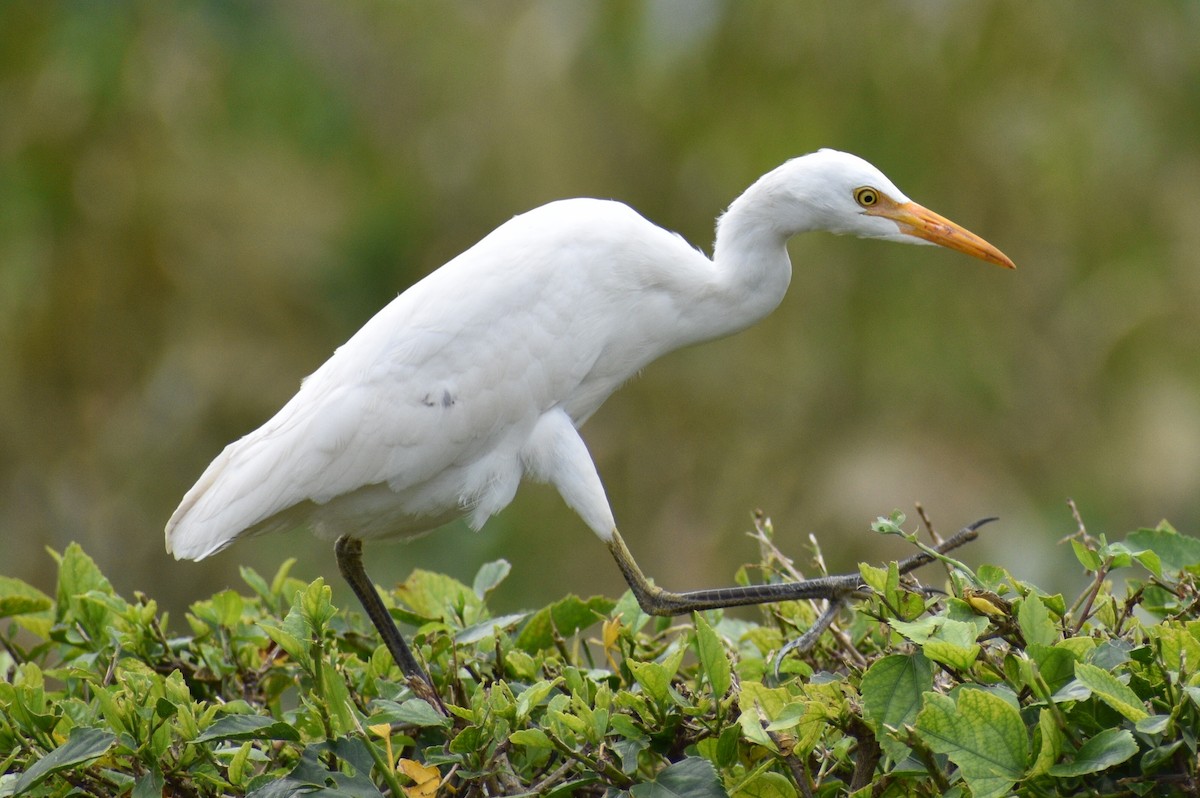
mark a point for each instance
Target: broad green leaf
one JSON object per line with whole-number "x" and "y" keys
{"x": 1175, "y": 551}
{"x": 228, "y": 606}
{"x": 750, "y": 722}
{"x": 691, "y": 777}
{"x": 714, "y": 662}
{"x": 1108, "y": 748}
{"x": 149, "y": 785}
{"x": 1111, "y": 691}
{"x": 1087, "y": 558}
{"x": 1180, "y": 648}
{"x": 790, "y": 717}
{"x": 1035, "y": 622}
{"x": 772, "y": 700}
{"x": 485, "y": 629}
{"x": 430, "y": 595}
{"x": 891, "y": 691}
{"x": 316, "y": 606}
{"x": 489, "y": 576}
{"x": 954, "y": 644}
{"x": 920, "y": 630}
{"x": 533, "y": 695}
{"x": 981, "y": 733}
{"x": 336, "y": 699}
{"x": 295, "y": 646}
{"x": 873, "y": 577}
{"x": 19, "y": 598}
{"x": 78, "y": 576}
{"x": 281, "y": 579}
{"x": 655, "y": 678}
{"x": 767, "y": 784}
{"x": 565, "y": 617}
{"x": 237, "y": 765}
{"x": 83, "y": 745}
{"x": 413, "y": 712}
{"x": 312, "y": 777}
{"x": 531, "y": 738}
{"x": 259, "y": 585}
{"x": 1050, "y": 743}
{"x": 1055, "y": 665}
{"x": 1155, "y": 724}
{"x": 248, "y": 727}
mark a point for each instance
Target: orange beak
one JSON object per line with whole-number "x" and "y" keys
{"x": 923, "y": 223}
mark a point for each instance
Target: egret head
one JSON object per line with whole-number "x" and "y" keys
{"x": 843, "y": 194}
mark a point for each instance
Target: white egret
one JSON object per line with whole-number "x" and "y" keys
{"x": 480, "y": 374}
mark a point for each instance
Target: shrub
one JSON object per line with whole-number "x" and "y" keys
{"x": 996, "y": 687}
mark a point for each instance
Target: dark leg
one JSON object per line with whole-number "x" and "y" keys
{"x": 349, "y": 559}
{"x": 656, "y": 601}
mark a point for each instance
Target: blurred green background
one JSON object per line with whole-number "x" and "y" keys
{"x": 200, "y": 201}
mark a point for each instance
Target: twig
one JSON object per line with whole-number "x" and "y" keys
{"x": 933, "y": 535}
{"x": 1080, "y": 529}
{"x": 555, "y": 777}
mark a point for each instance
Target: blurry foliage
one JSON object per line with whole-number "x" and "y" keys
{"x": 200, "y": 200}
{"x": 995, "y": 688}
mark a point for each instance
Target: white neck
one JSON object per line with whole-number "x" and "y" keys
{"x": 751, "y": 268}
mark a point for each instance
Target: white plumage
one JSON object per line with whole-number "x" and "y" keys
{"x": 480, "y": 374}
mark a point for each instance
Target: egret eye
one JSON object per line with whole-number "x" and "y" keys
{"x": 866, "y": 196}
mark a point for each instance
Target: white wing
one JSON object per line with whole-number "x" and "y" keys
{"x": 422, "y": 415}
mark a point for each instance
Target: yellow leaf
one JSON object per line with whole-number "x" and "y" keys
{"x": 610, "y": 630}
{"x": 426, "y": 779}
{"x": 381, "y": 730}
{"x": 985, "y": 602}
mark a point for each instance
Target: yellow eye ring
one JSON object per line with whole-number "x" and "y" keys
{"x": 866, "y": 196}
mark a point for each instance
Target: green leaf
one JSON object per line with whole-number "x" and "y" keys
{"x": 655, "y": 678}
{"x": 1175, "y": 552}
{"x": 1055, "y": 665}
{"x": 295, "y": 646}
{"x": 312, "y": 777}
{"x": 750, "y": 722}
{"x": 413, "y": 712}
{"x": 531, "y": 738}
{"x": 430, "y": 595}
{"x": 259, "y": 585}
{"x": 228, "y": 606}
{"x": 249, "y": 727}
{"x": 532, "y": 696}
{"x": 714, "y": 662}
{"x": 953, "y": 643}
{"x": 691, "y": 777}
{"x": 1087, "y": 558}
{"x": 489, "y": 576}
{"x": 566, "y": 617}
{"x": 280, "y": 579}
{"x": 316, "y": 606}
{"x": 78, "y": 576}
{"x": 772, "y": 700}
{"x": 1108, "y": 748}
{"x": 1155, "y": 724}
{"x": 1035, "y": 622}
{"x": 891, "y": 524}
{"x": 767, "y": 784}
{"x": 1051, "y": 742}
{"x": 891, "y": 691}
{"x": 19, "y": 598}
{"x": 874, "y": 577}
{"x": 150, "y": 785}
{"x": 486, "y": 629}
{"x": 981, "y": 733}
{"x": 1111, "y": 691}
{"x": 83, "y": 745}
